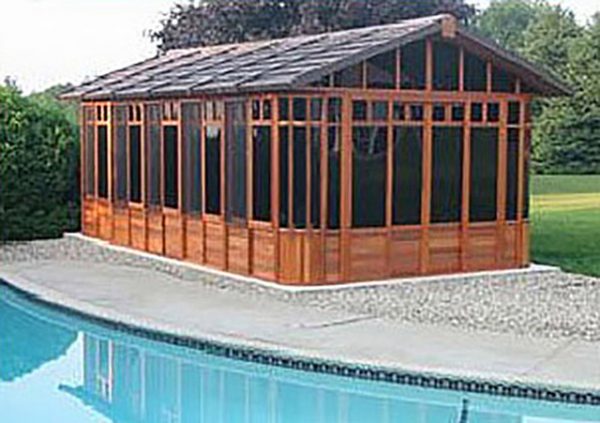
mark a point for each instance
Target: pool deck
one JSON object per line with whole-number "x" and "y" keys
{"x": 154, "y": 300}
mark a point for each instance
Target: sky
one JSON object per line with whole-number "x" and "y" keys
{"x": 46, "y": 42}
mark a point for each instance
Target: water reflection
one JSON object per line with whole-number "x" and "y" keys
{"x": 128, "y": 379}
{"x": 27, "y": 342}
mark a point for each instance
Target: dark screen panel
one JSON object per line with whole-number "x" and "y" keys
{"x": 120, "y": 153}
{"x": 171, "y": 166}
{"x": 446, "y": 59}
{"x": 284, "y": 176}
{"x": 526, "y": 176}
{"x": 261, "y": 166}
{"x": 102, "y": 135}
{"x": 446, "y": 192}
{"x": 153, "y": 179}
{"x": 503, "y": 81}
{"x": 351, "y": 77}
{"x": 315, "y": 176}
{"x": 512, "y": 174}
{"x": 369, "y": 176}
{"x": 135, "y": 164}
{"x": 212, "y": 148}
{"x": 381, "y": 71}
{"x": 299, "y": 176}
{"x": 333, "y": 177}
{"x": 235, "y": 133}
{"x": 90, "y": 159}
{"x": 484, "y": 174}
{"x": 413, "y": 66}
{"x": 475, "y": 77}
{"x": 407, "y": 180}
{"x": 192, "y": 159}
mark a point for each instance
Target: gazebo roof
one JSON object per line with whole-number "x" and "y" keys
{"x": 288, "y": 63}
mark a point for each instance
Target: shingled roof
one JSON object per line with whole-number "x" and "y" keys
{"x": 282, "y": 64}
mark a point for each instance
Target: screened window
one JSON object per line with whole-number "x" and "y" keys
{"x": 417, "y": 112}
{"x": 484, "y": 174}
{"x": 446, "y": 192}
{"x": 477, "y": 112}
{"x": 359, "y": 110}
{"x": 235, "y": 121}
{"x": 284, "y": 108}
{"x": 446, "y": 59}
{"x": 299, "y": 176}
{"x": 475, "y": 73}
{"x": 192, "y": 158}
{"x": 315, "y": 176}
{"x": 300, "y": 108}
{"x": 503, "y": 81}
{"x": 381, "y": 71}
{"x": 413, "y": 66}
{"x": 512, "y": 173}
{"x": 135, "y": 164}
{"x": 90, "y": 159}
{"x": 514, "y": 113}
{"x": 284, "y": 176}
{"x": 102, "y": 135}
{"x": 379, "y": 110}
{"x": 407, "y": 180}
{"x": 120, "y": 154}
{"x": 439, "y": 112}
{"x": 334, "y": 110}
{"x": 351, "y": 77}
{"x": 493, "y": 112}
{"x": 526, "y": 165}
{"x": 261, "y": 181}
{"x": 153, "y": 141}
{"x": 212, "y": 135}
{"x": 316, "y": 109}
{"x": 171, "y": 166}
{"x": 369, "y": 176}
{"x": 333, "y": 177}
{"x": 458, "y": 112}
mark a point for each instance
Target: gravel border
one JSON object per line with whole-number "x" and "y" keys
{"x": 549, "y": 303}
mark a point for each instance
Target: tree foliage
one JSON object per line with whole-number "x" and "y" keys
{"x": 38, "y": 167}
{"x": 566, "y": 136}
{"x": 209, "y": 22}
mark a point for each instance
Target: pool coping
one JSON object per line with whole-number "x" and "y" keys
{"x": 294, "y": 358}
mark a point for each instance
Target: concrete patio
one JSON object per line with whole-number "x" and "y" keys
{"x": 155, "y": 300}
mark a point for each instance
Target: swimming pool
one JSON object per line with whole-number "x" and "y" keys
{"x": 55, "y": 367}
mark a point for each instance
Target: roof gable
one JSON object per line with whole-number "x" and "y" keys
{"x": 286, "y": 63}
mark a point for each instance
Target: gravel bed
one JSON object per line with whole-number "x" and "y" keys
{"x": 549, "y": 304}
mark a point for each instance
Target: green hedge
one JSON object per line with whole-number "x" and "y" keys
{"x": 39, "y": 162}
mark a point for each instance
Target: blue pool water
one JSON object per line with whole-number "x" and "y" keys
{"x": 58, "y": 368}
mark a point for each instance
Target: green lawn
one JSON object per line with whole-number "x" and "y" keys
{"x": 565, "y": 216}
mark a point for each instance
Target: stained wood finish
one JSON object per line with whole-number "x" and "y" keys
{"x": 317, "y": 255}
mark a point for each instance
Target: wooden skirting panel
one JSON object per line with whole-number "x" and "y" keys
{"x": 138, "y": 227}
{"x": 263, "y": 249}
{"x": 89, "y": 218}
{"x": 298, "y": 257}
{"x": 121, "y": 234}
{"x": 156, "y": 232}
{"x": 215, "y": 244}
{"x": 104, "y": 220}
{"x": 174, "y": 234}
{"x": 405, "y": 247}
{"x": 238, "y": 250}
{"x": 194, "y": 239}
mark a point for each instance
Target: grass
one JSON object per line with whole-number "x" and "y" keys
{"x": 565, "y": 214}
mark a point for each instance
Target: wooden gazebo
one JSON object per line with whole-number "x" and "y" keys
{"x": 357, "y": 155}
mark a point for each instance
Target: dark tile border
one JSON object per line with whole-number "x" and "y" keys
{"x": 273, "y": 358}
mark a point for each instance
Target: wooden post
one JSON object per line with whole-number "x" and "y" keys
{"x": 346, "y": 188}
{"x": 466, "y": 188}
{"x": 501, "y": 181}
{"x": 426, "y": 188}
{"x": 275, "y": 186}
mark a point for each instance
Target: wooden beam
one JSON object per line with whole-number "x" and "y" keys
{"x": 346, "y": 188}
{"x": 426, "y": 188}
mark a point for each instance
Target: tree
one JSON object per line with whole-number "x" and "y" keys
{"x": 567, "y": 135}
{"x": 38, "y": 167}
{"x": 505, "y": 21}
{"x": 210, "y": 22}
